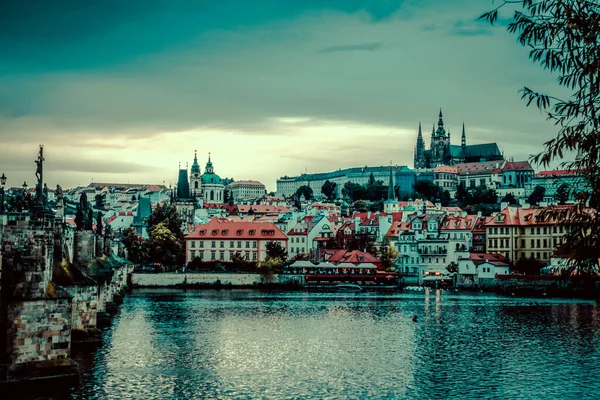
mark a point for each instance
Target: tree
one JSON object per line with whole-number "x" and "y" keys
{"x": 238, "y": 261}
{"x": 388, "y": 255}
{"x": 99, "y": 201}
{"x": 537, "y": 195}
{"x": 276, "y": 251}
{"x": 562, "y": 194}
{"x": 426, "y": 189}
{"x": 306, "y": 191}
{"x": 563, "y": 37}
{"x": 510, "y": 199}
{"x": 528, "y": 266}
{"x": 461, "y": 193}
{"x": 165, "y": 246}
{"x": 167, "y": 217}
{"x": 452, "y": 267}
{"x": 137, "y": 249}
{"x": 328, "y": 189}
{"x": 354, "y": 191}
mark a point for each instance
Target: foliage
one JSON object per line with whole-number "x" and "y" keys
{"x": 387, "y": 255}
{"x": 452, "y": 267}
{"x": 528, "y": 266}
{"x": 563, "y": 37}
{"x": 354, "y": 241}
{"x": 537, "y": 195}
{"x": 372, "y": 191}
{"x": 166, "y": 235}
{"x": 99, "y": 201}
{"x": 475, "y": 196}
{"x": 353, "y": 191}
{"x": 306, "y": 191}
{"x": 562, "y": 194}
{"x": 328, "y": 189}
{"x": 360, "y": 205}
{"x": 137, "y": 248}
{"x": 510, "y": 199}
{"x": 276, "y": 251}
{"x": 268, "y": 268}
{"x": 20, "y": 201}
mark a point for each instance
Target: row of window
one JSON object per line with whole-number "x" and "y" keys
{"x": 296, "y": 239}
{"x": 422, "y": 260}
{"x": 213, "y": 256}
{"x": 533, "y": 230}
{"x": 213, "y": 244}
{"x": 503, "y": 243}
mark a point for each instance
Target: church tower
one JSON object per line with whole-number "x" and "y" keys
{"x": 195, "y": 178}
{"x": 391, "y": 205}
{"x": 440, "y": 144}
{"x": 463, "y": 143}
{"x": 419, "y": 161}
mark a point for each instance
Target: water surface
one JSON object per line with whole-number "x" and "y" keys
{"x": 248, "y": 344}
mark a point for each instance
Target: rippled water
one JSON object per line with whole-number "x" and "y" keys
{"x": 247, "y": 344}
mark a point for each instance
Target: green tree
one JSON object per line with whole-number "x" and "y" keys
{"x": 353, "y": 191}
{"x": 136, "y": 246}
{"x": 461, "y": 194}
{"x": 528, "y": 266}
{"x": 99, "y": 201}
{"x": 537, "y": 195}
{"x": 328, "y": 189}
{"x": 562, "y": 194}
{"x": 426, "y": 189}
{"x": 388, "y": 255}
{"x": 510, "y": 199}
{"x": 452, "y": 267}
{"x": 306, "y": 191}
{"x": 167, "y": 217}
{"x": 375, "y": 190}
{"x": 238, "y": 261}
{"x": 276, "y": 251}
{"x": 563, "y": 37}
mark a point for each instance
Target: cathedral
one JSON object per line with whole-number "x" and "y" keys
{"x": 206, "y": 188}
{"x": 442, "y": 152}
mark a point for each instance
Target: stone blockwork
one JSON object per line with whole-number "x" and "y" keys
{"x": 173, "y": 279}
{"x": 84, "y": 248}
{"x": 84, "y": 306}
{"x": 40, "y": 330}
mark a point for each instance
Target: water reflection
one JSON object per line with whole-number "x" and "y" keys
{"x": 246, "y": 344}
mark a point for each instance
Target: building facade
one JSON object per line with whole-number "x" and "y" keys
{"x": 241, "y": 190}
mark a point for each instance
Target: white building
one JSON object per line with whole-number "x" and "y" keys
{"x": 241, "y": 190}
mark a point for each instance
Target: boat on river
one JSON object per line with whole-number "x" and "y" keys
{"x": 347, "y": 287}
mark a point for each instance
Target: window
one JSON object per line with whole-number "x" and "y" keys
{"x": 222, "y": 244}
{"x": 201, "y": 243}
{"x": 522, "y": 243}
{"x": 193, "y": 244}
{"x": 212, "y": 256}
{"x": 254, "y": 256}
{"x": 213, "y": 244}
{"x": 545, "y": 243}
{"x": 538, "y": 244}
{"x": 532, "y": 243}
{"x": 201, "y": 256}
{"x": 254, "y": 244}
{"x": 221, "y": 255}
{"x": 247, "y": 245}
{"x": 231, "y": 244}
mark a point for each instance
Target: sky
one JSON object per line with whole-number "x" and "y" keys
{"x": 125, "y": 91}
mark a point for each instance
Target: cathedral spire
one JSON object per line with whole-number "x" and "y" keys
{"x": 463, "y": 140}
{"x": 420, "y": 136}
{"x": 391, "y": 193}
{"x": 440, "y": 130}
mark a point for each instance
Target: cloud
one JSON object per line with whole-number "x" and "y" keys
{"x": 471, "y": 28}
{"x": 352, "y": 47}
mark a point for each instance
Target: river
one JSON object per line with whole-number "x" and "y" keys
{"x": 168, "y": 344}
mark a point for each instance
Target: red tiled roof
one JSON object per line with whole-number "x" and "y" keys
{"x": 446, "y": 169}
{"x": 350, "y": 256}
{"x": 519, "y": 216}
{"x": 556, "y": 173}
{"x": 223, "y": 229}
{"x": 450, "y": 222}
{"x": 262, "y": 208}
{"x": 517, "y": 166}
{"x": 478, "y": 168}
{"x": 399, "y": 228}
{"x": 496, "y": 259}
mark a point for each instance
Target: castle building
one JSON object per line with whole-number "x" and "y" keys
{"x": 442, "y": 152}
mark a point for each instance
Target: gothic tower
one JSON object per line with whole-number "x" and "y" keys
{"x": 463, "y": 143}
{"x": 440, "y": 144}
{"x": 419, "y": 161}
{"x": 195, "y": 178}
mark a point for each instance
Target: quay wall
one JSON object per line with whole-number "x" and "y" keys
{"x": 173, "y": 279}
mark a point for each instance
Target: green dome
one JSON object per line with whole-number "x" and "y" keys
{"x": 211, "y": 179}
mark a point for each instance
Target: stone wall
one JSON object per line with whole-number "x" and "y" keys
{"x": 174, "y": 279}
{"x": 83, "y": 248}
{"x": 27, "y": 255}
{"x": 84, "y": 306}
{"x": 40, "y": 330}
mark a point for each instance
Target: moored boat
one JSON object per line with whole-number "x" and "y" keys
{"x": 347, "y": 287}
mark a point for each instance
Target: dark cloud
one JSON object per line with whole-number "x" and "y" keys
{"x": 352, "y": 47}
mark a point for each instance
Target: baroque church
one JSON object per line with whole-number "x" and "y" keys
{"x": 442, "y": 152}
{"x": 206, "y": 188}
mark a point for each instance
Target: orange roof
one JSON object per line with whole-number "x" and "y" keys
{"x": 556, "y": 173}
{"x": 223, "y": 229}
{"x": 350, "y": 256}
{"x": 496, "y": 259}
{"x": 517, "y": 166}
{"x": 450, "y": 223}
{"x": 518, "y": 216}
{"x": 446, "y": 169}
{"x": 478, "y": 168}
{"x": 398, "y": 228}
{"x": 262, "y": 208}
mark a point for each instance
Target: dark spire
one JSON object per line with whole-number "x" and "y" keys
{"x": 419, "y": 159}
{"x": 420, "y": 136}
{"x": 440, "y": 130}
{"x": 195, "y": 165}
{"x": 391, "y": 194}
{"x": 463, "y": 141}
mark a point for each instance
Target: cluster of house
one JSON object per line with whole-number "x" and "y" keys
{"x": 427, "y": 237}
